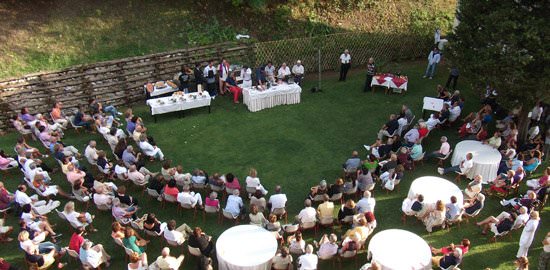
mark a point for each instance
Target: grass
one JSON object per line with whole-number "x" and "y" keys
{"x": 49, "y": 35}
{"x": 295, "y": 146}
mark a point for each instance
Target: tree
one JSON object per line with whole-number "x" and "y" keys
{"x": 505, "y": 44}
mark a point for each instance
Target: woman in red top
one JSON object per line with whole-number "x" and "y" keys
{"x": 423, "y": 130}
{"x": 464, "y": 245}
{"x": 171, "y": 189}
{"x": 232, "y": 182}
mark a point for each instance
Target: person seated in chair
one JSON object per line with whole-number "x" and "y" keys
{"x": 165, "y": 261}
{"x": 232, "y": 86}
{"x": 389, "y": 128}
{"x": 452, "y": 258}
{"x": 177, "y": 234}
{"x": 151, "y": 151}
{"x": 465, "y": 165}
{"x": 504, "y": 222}
{"x": 186, "y": 196}
{"x": 474, "y": 205}
{"x": 283, "y": 73}
{"x": 198, "y": 239}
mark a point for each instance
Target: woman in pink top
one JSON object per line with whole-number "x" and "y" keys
{"x": 232, "y": 182}
{"x": 6, "y": 162}
{"x": 212, "y": 200}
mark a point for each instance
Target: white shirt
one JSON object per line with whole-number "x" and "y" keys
{"x": 365, "y": 205}
{"x": 307, "y": 214}
{"x": 147, "y": 148}
{"x": 308, "y": 262}
{"x": 186, "y": 198}
{"x": 101, "y": 199}
{"x": 520, "y": 220}
{"x": 72, "y": 217}
{"x": 298, "y": 70}
{"x": 454, "y": 113}
{"x": 207, "y": 69}
{"x": 269, "y": 70}
{"x": 432, "y": 122}
{"x": 120, "y": 169}
{"x": 283, "y": 71}
{"x": 91, "y": 257}
{"x": 277, "y": 201}
{"x": 22, "y": 198}
{"x": 234, "y": 205}
{"x": 246, "y": 74}
{"x": 252, "y": 181}
{"x": 327, "y": 249}
{"x": 466, "y": 165}
{"x": 90, "y": 154}
{"x": 136, "y": 176}
{"x": 345, "y": 58}
{"x": 174, "y": 235}
{"x": 433, "y": 58}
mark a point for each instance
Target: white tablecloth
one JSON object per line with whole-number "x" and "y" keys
{"x": 388, "y": 82}
{"x": 400, "y": 250}
{"x": 433, "y": 189}
{"x": 486, "y": 159}
{"x": 245, "y": 247}
{"x": 160, "y": 91}
{"x": 274, "y": 96}
{"x": 179, "y": 105}
{"x": 432, "y": 104}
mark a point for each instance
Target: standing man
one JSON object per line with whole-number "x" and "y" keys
{"x": 345, "y": 61}
{"x": 453, "y": 77}
{"x": 433, "y": 59}
{"x": 298, "y": 72}
{"x": 210, "y": 75}
{"x": 199, "y": 77}
{"x": 371, "y": 70}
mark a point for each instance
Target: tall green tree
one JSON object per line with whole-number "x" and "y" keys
{"x": 505, "y": 43}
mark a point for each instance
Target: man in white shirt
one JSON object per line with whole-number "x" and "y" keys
{"x": 165, "y": 261}
{"x": 283, "y": 73}
{"x": 189, "y": 197}
{"x": 345, "y": 64}
{"x": 433, "y": 59}
{"x": 91, "y": 152}
{"x": 177, "y": 235}
{"x": 308, "y": 214}
{"x": 366, "y": 204}
{"x": 464, "y": 166}
{"x": 308, "y": 261}
{"x": 246, "y": 76}
{"x": 277, "y": 200}
{"x": 40, "y": 207}
{"x": 151, "y": 151}
{"x": 443, "y": 150}
{"x": 454, "y": 112}
{"x": 298, "y": 72}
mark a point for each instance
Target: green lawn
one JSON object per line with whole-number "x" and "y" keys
{"x": 295, "y": 146}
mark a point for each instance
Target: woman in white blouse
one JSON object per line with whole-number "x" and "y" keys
{"x": 79, "y": 219}
{"x": 252, "y": 181}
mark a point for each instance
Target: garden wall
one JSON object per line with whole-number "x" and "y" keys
{"x": 120, "y": 82}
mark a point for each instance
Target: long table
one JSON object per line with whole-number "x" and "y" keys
{"x": 277, "y": 95}
{"x": 178, "y": 103}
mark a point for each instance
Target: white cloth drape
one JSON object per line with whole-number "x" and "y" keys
{"x": 167, "y": 104}
{"x": 486, "y": 159}
{"x": 399, "y": 249}
{"x": 434, "y": 189}
{"x": 277, "y": 95}
{"x": 246, "y": 247}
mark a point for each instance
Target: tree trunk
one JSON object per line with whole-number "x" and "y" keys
{"x": 523, "y": 126}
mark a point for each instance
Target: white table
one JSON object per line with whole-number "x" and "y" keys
{"x": 399, "y": 249}
{"x": 181, "y": 103}
{"x": 388, "y": 82}
{"x": 486, "y": 159}
{"x": 277, "y": 95}
{"x": 160, "y": 91}
{"x": 433, "y": 189}
{"x": 433, "y": 104}
{"x": 245, "y": 247}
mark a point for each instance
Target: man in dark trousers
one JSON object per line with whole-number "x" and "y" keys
{"x": 453, "y": 77}
{"x": 371, "y": 70}
{"x": 345, "y": 61}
